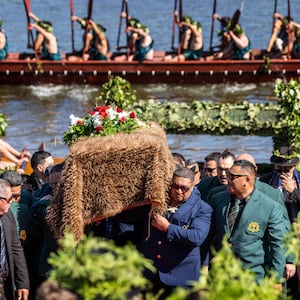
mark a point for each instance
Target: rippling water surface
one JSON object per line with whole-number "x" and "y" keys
{"x": 40, "y": 113}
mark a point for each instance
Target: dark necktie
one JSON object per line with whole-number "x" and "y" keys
{"x": 3, "y": 261}
{"x": 234, "y": 212}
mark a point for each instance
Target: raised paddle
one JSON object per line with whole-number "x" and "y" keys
{"x": 30, "y": 39}
{"x": 89, "y": 16}
{"x": 289, "y": 27}
{"x": 174, "y": 26}
{"x": 72, "y": 24}
{"x": 123, "y": 8}
{"x": 180, "y": 20}
{"x": 235, "y": 18}
{"x": 212, "y": 26}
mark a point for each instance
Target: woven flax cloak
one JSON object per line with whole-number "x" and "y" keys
{"x": 104, "y": 176}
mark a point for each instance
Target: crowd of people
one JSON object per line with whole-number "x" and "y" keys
{"x": 224, "y": 198}
{"x": 233, "y": 41}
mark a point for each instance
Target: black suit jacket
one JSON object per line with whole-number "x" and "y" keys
{"x": 18, "y": 273}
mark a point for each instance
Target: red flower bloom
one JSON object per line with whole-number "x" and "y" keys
{"x": 119, "y": 110}
{"x": 103, "y": 114}
{"x": 132, "y": 115}
{"x": 98, "y": 129}
{"x": 123, "y": 120}
{"x": 92, "y": 113}
{"x": 79, "y": 122}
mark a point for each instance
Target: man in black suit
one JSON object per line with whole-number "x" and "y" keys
{"x": 13, "y": 272}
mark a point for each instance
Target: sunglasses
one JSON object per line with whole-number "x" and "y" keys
{"x": 182, "y": 188}
{"x": 283, "y": 169}
{"x": 210, "y": 170}
{"x": 232, "y": 176}
{"x": 7, "y": 200}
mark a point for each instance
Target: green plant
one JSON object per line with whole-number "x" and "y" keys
{"x": 3, "y": 124}
{"x": 227, "y": 280}
{"x": 97, "y": 269}
{"x": 288, "y": 94}
{"x": 117, "y": 91}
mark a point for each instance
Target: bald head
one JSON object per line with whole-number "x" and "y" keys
{"x": 248, "y": 157}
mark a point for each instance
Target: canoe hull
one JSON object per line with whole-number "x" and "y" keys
{"x": 22, "y": 71}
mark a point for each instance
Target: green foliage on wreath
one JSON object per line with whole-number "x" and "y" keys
{"x": 117, "y": 91}
{"x": 3, "y": 124}
{"x": 98, "y": 269}
{"x": 288, "y": 94}
{"x": 203, "y": 117}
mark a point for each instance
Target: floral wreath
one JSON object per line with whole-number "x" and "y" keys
{"x": 291, "y": 156}
{"x": 102, "y": 121}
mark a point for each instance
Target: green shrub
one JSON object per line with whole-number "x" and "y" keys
{"x": 97, "y": 268}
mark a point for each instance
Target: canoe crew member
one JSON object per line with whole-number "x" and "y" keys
{"x": 95, "y": 42}
{"x": 143, "y": 42}
{"x": 46, "y": 42}
{"x": 195, "y": 48}
{"x": 3, "y": 43}
{"x": 296, "y": 45}
{"x": 185, "y": 31}
{"x": 239, "y": 46}
{"x": 224, "y": 25}
{"x": 99, "y": 43}
{"x": 191, "y": 40}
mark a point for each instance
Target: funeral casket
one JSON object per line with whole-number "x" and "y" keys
{"x": 104, "y": 176}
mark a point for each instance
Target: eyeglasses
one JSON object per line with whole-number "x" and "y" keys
{"x": 232, "y": 176}
{"x": 210, "y": 170}
{"x": 5, "y": 199}
{"x": 177, "y": 187}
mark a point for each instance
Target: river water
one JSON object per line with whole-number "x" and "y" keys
{"x": 40, "y": 113}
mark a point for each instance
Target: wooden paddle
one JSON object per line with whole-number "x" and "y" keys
{"x": 174, "y": 26}
{"x": 30, "y": 39}
{"x": 289, "y": 28}
{"x": 89, "y": 16}
{"x": 180, "y": 20}
{"x": 235, "y": 18}
{"x": 123, "y": 8}
{"x": 72, "y": 24}
{"x": 212, "y": 26}
{"x": 275, "y": 28}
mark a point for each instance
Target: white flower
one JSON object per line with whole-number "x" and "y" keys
{"x": 112, "y": 113}
{"x": 98, "y": 122}
{"x": 74, "y": 119}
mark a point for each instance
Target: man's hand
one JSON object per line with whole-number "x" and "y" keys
{"x": 160, "y": 223}
{"x": 23, "y": 294}
{"x": 290, "y": 270}
{"x": 288, "y": 184}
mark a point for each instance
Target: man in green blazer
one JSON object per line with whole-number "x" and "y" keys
{"x": 260, "y": 222}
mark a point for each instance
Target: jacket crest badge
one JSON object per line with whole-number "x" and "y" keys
{"x": 253, "y": 227}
